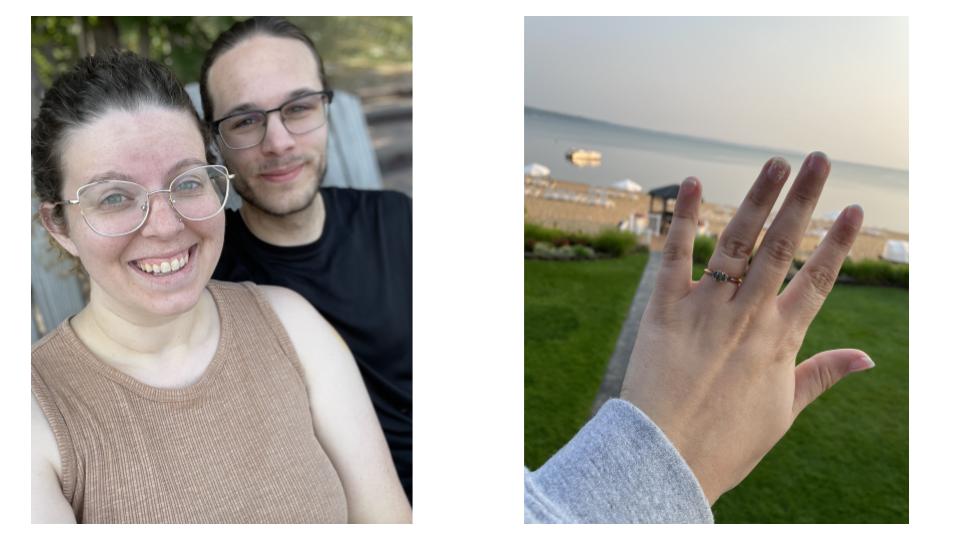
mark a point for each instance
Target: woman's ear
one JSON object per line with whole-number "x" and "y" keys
{"x": 57, "y": 227}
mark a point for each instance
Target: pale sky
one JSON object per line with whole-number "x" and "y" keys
{"x": 834, "y": 84}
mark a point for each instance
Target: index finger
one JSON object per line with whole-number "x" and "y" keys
{"x": 674, "y": 279}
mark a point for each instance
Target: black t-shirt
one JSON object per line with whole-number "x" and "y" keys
{"x": 358, "y": 274}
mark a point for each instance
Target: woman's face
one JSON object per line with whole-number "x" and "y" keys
{"x": 150, "y": 147}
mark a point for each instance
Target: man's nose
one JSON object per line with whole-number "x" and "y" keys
{"x": 276, "y": 140}
{"x": 162, "y": 220}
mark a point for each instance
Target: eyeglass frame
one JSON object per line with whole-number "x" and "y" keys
{"x": 146, "y": 213}
{"x": 215, "y": 125}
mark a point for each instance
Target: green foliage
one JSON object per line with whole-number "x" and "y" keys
{"x": 869, "y": 272}
{"x": 614, "y": 242}
{"x": 610, "y": 242}
{"x": 545, "y": 250}
{"x": 537, "y": 233}
{"x": 584, "y": 252}
{"x": 703, "y": 247}
{"x": 346, "y": 43}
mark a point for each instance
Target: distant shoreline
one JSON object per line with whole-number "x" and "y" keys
{"x": 580, "y": 207}
{"x": 697, "y": 139}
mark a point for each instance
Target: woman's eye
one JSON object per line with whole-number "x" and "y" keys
{"x": 113, "y": 199}
{"x": 189, "y": 185}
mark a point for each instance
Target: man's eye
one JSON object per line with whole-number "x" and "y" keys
{"x": 244, "y": 122}
{"x": 298, "y": 108}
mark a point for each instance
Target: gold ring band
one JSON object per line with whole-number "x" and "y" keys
{"x": 722, "y": 276}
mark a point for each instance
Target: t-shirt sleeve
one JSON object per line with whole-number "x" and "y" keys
{"x": 620, "y": 468}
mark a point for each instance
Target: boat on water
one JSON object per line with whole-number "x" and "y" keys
{"x": 584, "y": 158}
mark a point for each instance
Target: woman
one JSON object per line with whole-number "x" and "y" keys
{"x": 170, "y": 397}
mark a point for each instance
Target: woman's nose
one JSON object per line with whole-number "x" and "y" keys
{"x": 162, "y": 219}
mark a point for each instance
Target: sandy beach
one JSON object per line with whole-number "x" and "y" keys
{"x": 577, "y": 207}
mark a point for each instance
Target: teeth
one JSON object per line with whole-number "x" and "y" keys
{"x": 165, "y": 267}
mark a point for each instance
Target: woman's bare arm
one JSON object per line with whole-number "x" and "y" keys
{"x": 343, "y": 415}
{"x": 47, "y": 503}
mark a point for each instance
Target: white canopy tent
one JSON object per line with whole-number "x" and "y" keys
{"x": 628, "y": 185}
{"x": 896, "y": 251}
{"x": 536, "y": 170}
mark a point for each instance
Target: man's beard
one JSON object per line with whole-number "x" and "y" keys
{"x": 251, "y": 198}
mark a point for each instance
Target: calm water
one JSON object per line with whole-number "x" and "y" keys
{"x": 654, "y": 159}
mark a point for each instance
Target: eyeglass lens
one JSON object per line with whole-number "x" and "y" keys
{"x": 299, "y": 116}
{"x": 118, "y": 207}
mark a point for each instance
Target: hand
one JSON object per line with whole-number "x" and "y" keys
{"x": 714, "y": 364}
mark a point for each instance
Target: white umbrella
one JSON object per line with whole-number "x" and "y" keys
{"x": 536, "y": 170}
{"x": 627, "y": 185}
{"x": 896, "y": 251}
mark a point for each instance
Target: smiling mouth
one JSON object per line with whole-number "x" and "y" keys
{"x": 282, "y": 175}
{"x": 164, "y": 266}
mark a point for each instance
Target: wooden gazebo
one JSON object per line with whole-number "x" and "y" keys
{"x": 668, "y": 198}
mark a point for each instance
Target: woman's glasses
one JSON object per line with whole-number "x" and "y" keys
{"x": 119, "y": 207}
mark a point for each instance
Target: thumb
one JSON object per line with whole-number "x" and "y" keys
{"x": 821, "y": 371}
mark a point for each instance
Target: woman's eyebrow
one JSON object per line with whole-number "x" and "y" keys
{"x": 109, "y": 175}
{"x": 177, "y": 167}
{"x": 183, "y": 163}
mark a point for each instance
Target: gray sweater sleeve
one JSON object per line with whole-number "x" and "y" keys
{"x": 620, "y": 468}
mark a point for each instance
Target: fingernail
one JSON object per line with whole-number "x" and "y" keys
{"x": 820, "y": 166}
{"x": 777, "y": 170}
{"x": 689, "y": 185}
{"x": 860, "y": 364}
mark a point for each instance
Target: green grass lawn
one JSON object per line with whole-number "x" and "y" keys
{"x": 843, "y": 461}
{"x": 573, "y": 311}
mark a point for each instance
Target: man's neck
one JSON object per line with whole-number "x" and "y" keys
{"x": 301, "y": 228}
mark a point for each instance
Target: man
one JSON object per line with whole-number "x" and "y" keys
{"x": 265, "y": 94}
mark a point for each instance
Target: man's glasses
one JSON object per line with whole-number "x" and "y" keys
{"x": 119, "y": 207}
{"x": 299, "y": 115}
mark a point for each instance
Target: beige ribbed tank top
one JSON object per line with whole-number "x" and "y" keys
{"x": 237, "y": 446}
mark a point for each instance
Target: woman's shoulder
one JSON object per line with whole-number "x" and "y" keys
{"x": 312, "y": 335}
{"x": 297, "y": 315}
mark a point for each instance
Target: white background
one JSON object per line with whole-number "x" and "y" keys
{"x": 468, "y": 273}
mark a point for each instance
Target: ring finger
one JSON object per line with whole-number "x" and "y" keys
{"x": 740, "y": 235}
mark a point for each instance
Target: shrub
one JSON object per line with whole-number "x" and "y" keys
{"x": 584, "y": 252}
{"x": 703, "y": 247}
{"x": 609, "y": 242}
{"x": 871, "y": 272}
{"x": 615, "y": 243}
{"x": 543, "y": 249}
{"x": 564, "y": 252}
{"x": 536, "y": 233}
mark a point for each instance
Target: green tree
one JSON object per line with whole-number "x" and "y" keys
{"x": 348, "y": 44}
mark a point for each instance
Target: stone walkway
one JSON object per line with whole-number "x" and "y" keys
{"x": 612, "y": 380}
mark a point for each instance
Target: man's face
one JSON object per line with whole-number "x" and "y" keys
{"x": 281, "y": 175}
